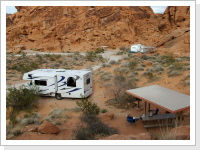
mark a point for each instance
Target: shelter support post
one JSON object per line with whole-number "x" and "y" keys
{"x": 149, "y": 107}
{"x": 138, "y": 104}
{"x": 179, "y": 118}
{"x": 145, "y": 108}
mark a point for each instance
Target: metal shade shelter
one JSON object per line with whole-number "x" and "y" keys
{"x": 170, "y": 100}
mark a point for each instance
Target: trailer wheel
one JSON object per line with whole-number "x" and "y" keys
{"x": 58, "y": 96}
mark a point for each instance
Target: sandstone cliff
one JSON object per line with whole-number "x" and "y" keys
{"x": 70, "y": 28}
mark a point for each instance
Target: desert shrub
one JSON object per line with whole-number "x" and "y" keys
{"x": 126, "y": 64}
{"x": 106, "y": 65}
{"x": 76, "y": 109}
{"x": 21, "y": 99}
{"x": 168, "y": 59}
{"x": 24, "y": 67}
{"x": 144, "y": 57}
{"x": 99, "y": 50}
{"x": 106, "y": 76}
{"x": 104, "y": 110}
{"x": 32, "y": 118}
{"x": 97, "y": 126}
{"x": 174, "y": 73}
{"x": 88, "y": 107}
{"x": 92, "y": 127}
{"x": 47, "y": 55}
{"x": 77, "y": 53}
{"x": 124, "y": 70}
{"x": 57, "y": 115}
{"x": 143, "y": 65}
{"x": 157, "y": 68}
{"x": 132, "y": 64}
{"x": 120, "y": 53}
{"x": 150, "y": 75}
{"x": 113, "y": 62}
{"x": 140, "y": 68}
{"x": 120, "y": 84}
{"x": 90, "y": 55}
{"x": 186, "y": 77}
{"x": 16, "y": 131}
{"x": 83, "y": 133}
{"x": 122, "y": 48}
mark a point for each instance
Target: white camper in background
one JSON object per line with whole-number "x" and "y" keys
{"x": 61, "y": 83}
{"x": 139, "y": 48}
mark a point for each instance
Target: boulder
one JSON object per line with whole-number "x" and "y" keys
{"x": 48, "y": 128}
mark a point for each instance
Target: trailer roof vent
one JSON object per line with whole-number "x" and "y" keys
{"x": 60, "y": 70}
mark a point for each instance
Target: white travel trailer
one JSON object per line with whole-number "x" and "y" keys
{"x": 139, "y": 48}
{"x": 61, "y": 83}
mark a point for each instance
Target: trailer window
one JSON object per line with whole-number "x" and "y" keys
{"x": 88, "y": 81}
{"x": 71, "y": 82}
{"x": 41, "y": 82}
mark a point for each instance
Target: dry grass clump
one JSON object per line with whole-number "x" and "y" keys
{"x": 33, "y": 118}
{"x": 57, "y": 115}
{"x": 12, "y": 132}
{"x": 106, "y": 76}
{"x": 114, "y": 62}
{"x": 174, "y": 73}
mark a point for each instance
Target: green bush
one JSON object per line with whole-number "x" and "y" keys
{"x": 132, "y": 64}
{"x": 174, "y": 73}
{"x": 92, "y": 126}
{"x": 88, "y": 107}
{"x": 168, "y": 59}
{"x": 90, "y": 55}
{"x": 99, "y": 50}
{"x": 24, "y": 67}
{"x": 104, "y": 110}
{"x": 23, "y": 98}
{"x": 122, "y": 48}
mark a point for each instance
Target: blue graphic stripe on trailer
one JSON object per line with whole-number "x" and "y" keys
{"x": 74, "y": 90}
{"x": 62, "y": 78}
{"x": 64, "y": 83}
{"x": 32, "y": 77}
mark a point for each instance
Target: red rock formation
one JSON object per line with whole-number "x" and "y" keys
{"x": 73, "y": 28}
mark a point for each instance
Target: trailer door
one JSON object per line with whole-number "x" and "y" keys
{"x": 88, "y": 84}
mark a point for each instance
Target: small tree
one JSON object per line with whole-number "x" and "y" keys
{"x": 88, "y": 107}
{"x": 21, "y": 99}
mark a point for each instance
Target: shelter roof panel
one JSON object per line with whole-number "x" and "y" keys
{"x": 166, "y": 98}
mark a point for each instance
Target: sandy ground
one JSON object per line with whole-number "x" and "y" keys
{"x": 46, "y": 104}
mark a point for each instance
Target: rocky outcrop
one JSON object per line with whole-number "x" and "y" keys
{"x": 48, "y": 128}
{"x": 178, "y": 16}
{"x": 64, "y": 28}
